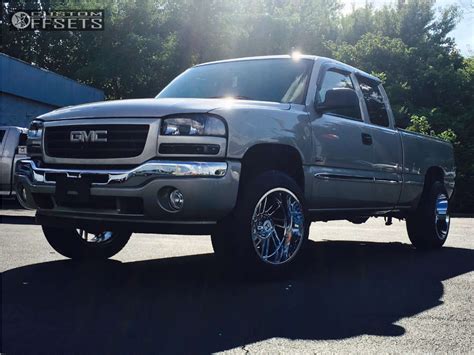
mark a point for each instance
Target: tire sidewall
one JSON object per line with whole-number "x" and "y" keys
{"x": 67, "y": 242}
{"x": 430, "y": 213}
{"x": 421, "y": 225}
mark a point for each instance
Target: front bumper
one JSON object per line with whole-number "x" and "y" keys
{"x": 209, "y": 189}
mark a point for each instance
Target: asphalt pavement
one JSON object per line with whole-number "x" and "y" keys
{"x": 360, "y": 288}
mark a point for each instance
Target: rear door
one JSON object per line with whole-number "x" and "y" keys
{"x": 342, "y": 168}
{"x": 387, "y": 156}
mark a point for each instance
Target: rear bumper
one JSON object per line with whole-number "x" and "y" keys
{"x": 130, "y": 197}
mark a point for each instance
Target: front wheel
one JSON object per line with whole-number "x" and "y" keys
{"x": 81, "y": 245}
{"x": 268, "y": 228}
{"x": 428, "y": 227}
{"x": 22, "y": 198}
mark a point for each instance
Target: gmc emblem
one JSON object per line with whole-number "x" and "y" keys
{"x": 99, "y": 136}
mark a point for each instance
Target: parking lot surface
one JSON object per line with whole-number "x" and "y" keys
{"x": 360, "y": 288}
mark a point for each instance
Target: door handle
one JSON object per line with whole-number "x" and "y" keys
{"x": 366, "y": 139}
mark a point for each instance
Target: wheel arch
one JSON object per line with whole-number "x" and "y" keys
{"x": 272, "y": 156}
{"x": 433, "y": 173}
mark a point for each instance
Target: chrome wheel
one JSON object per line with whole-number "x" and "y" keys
{"x": 442, "y": 216}
{"x": 278, "y": 226}
{"x": 99, "y": 238}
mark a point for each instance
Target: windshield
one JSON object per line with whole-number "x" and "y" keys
{"x": 277, "y": 80}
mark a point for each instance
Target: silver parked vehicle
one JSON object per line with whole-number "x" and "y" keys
{"x": 12, "y": 149}
{"x": 249, "y": 150}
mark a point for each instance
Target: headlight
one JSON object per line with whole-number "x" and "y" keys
{"x": 36, "y": 129}
{"x": 193, "y": 125}
{"x": 33, "y": 142}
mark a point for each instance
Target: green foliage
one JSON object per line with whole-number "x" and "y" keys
{"x": 421, "y": 124}
{"x": 448, "y": 135}
{"x": 147, "y": 43}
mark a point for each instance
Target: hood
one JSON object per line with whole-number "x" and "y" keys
{"x": 137, "y": 108}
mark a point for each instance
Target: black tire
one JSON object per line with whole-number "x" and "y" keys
{"x": 22, "y": 203}
{"x": 68, "y": 242}
{"x": 21, "y": 197}
{"x": 423, "y": 230}
{"x": 232, "y": 239}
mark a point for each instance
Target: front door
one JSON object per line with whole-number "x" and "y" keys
{"x": 343, "y": 154}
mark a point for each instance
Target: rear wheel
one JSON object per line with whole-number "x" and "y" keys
{"x": 81, "y": 244}
{"x": 428, "y": 227}
{"x": 268, "y": 228}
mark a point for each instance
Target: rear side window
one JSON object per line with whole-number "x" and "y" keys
{"x": 2, "y": 134}
{"x": 334, "y": 79}
{"x": 374, "y": 101}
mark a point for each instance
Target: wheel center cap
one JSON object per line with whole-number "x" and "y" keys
{"x": 267, "y": 225}
{"x": 265, "y": 228}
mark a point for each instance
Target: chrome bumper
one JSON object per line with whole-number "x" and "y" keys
{"x": 152, "y": 168}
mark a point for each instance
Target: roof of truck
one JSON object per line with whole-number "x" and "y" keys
{"x": 282, "y": 56}
{"x": 14, "y": 127}
{"x": 298, "y": 57}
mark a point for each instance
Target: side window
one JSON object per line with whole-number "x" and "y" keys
{"x": 334, "y": 79}
{"x": 374, "y": 101}
{"x": 2, "y": 134}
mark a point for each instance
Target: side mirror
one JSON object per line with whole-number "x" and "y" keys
{"x": 402, "y": 121}
{"x": 337, "y": 99}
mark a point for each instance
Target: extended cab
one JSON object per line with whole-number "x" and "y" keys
{"x": 249, "y": 150}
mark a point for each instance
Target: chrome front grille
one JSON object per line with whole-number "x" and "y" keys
{"x": 122, "y": 141}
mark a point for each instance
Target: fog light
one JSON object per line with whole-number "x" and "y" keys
{"x": 176, "y": 199}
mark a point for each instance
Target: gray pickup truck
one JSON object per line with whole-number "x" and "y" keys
{"x": 248, "y": 150}
{"x": 12, "y": 149}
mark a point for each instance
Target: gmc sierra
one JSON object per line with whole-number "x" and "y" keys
{"x": 248, "y": 150}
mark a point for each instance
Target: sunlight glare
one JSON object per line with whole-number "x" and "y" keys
{"x": 296, "y": 55}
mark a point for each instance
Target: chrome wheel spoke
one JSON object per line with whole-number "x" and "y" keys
{"x": 442, "y": 219}
{"x": 98, "y": 238}
{"x": 265, "y": 248}
{"x": 82, "y": 234}
{"x": 277, "y": 241}
{"x": 263, "y": 206}
{"x": 277, "y": 226}
{"x": 273, "y": 208}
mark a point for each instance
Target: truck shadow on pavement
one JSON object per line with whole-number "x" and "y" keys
{"x": 187, "y": 304}
{"x": 12, "y": 213}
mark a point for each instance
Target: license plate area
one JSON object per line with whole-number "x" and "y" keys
{"x": 93, "y": 178}
{"x": 72, "y": 188}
